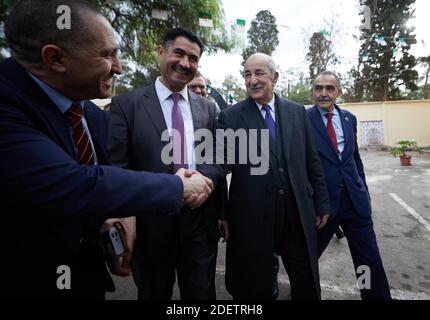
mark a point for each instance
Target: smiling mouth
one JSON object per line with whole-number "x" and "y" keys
{"x": 182, "y": 71}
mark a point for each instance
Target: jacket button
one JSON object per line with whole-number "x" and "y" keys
{"x": 281, "y": 170}
{"x": 281, "y": 192}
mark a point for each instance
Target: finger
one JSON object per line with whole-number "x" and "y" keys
{"x": 209, "y": 183}
{"x": 318, "y": 220}
{"x": 191, "y": 198}
{"x": 188, "y": 173}
{"x": 198, "y": 202}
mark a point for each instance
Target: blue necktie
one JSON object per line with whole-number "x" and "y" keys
{"x": 270, "y": 122}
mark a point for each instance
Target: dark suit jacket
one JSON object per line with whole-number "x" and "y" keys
{"x": 349, "y": 170}
{"x": 135, "y": 127}
{"x": 49, "y": 201}
{"x": 257, "y": 204}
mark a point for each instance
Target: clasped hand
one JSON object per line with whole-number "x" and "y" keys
{"x": 197, "y": 187}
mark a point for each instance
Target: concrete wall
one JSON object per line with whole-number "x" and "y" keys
{"x": 400, "y": 120}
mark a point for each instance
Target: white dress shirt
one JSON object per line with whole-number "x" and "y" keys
{"x": 166, "y": 102}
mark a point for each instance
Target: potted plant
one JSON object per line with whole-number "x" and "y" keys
{"x": 402, "y": 148}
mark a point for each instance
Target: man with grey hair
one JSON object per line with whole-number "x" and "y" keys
{"x": 56, "y": 184}
{"x": 335, "y": 132}
{"x": 279, "y": 211}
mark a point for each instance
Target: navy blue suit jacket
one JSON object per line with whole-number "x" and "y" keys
{"x": 349, "y": 170}
{"x": 49, "y": 202}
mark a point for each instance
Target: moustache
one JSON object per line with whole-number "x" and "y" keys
{"x": 324, "y": 100}
{"x": 181, "y": 69}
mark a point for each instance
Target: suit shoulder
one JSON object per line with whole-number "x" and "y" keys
{"x": 237, "y": 108}
{"x": 131, "y": 97}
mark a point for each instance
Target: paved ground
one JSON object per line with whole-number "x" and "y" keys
{"x": 401, "y": 214}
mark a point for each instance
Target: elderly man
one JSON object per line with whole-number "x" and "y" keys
{"x": 335, "y": 132}
{"x": 56, "y": 188}
{"x": 281, "y": 209}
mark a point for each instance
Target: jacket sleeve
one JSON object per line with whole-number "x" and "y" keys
{"x": 35, "y": 172}
{"x": 315, "y": 171}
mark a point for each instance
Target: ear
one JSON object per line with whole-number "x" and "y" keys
{"x": 53, "y": 58}
{"x": 276, "y": 77}
{"x": 160, "y": 51}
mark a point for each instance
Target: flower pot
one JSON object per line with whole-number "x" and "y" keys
{"x": 405, "y": 160}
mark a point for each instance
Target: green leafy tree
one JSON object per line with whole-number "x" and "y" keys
{"x": 300, "y": 93}
{"x": 140, "y": 33}
{"x": 230, "y": 87}
{"x": 385, "y": 64}
{"x": 321, "y": 53}
{"x": 262, "y": 35}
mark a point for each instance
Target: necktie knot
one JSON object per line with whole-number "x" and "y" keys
{"x": 329, "y": 115}
{"x": 266, "y": 108}
{"x": 175, "y": 96}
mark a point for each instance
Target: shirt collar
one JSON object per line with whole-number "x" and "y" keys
{"x": 164, "y": 93}
{"x": 323, "y": 112}
{"x": 271, "y": 104}
{"x": 61, "y": 101}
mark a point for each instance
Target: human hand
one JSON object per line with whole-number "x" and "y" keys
{"x": 322, "y": 221}
{"x": 120, "y": 265}
{"x": 197, "y": 188}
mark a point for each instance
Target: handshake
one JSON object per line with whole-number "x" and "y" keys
{"x": 197, "y": 187}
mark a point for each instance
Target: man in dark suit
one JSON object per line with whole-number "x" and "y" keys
{"x": 277, "y": 209}
{"x": 335, "y": 132}
{"x": 138, "y": 120}
{"x": 56, "y": 188}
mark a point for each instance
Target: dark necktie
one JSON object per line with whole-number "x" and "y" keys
{"x": 331, "y": 131}
{"x": 270, "y": 122}
{"x": 82, "y": 141}
{"x": 179, "y": 139}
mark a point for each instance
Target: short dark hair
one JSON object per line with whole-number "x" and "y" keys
{"x": 172, "y": 34}
{"x": 32, "y": 24}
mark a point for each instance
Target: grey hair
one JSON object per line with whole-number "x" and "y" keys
{"x": 328, "y": 73}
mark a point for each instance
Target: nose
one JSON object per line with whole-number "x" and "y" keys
{"x": 116, "y": 66}
{"x": 185, "y": 62}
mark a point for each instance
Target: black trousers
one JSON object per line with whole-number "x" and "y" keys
{"x": 181, "y": 245}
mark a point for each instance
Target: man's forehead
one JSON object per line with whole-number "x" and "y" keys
{"x": 255, "y": 66}
{"x": 325, "y": 79}
{"x": 182, "y": 42}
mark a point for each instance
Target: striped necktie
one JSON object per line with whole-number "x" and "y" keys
{"x": 82, "y": 141}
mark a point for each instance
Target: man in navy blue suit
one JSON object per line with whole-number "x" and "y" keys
{"x": 56, "y": 184}
{"x": 335, "y": 136}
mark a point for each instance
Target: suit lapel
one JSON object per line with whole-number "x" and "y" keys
{"x": 97, "y": 133}
{"x": 348, "y": 134}
{"x": 152, "y": 107}
{"x": 321, "y": 129}
{"x": 287, "y": 127}
{"x": 252, "y": 117}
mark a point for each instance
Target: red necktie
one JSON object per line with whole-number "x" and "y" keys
{"x": 82, "y": 141}
{"x": 331, "y": 131}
